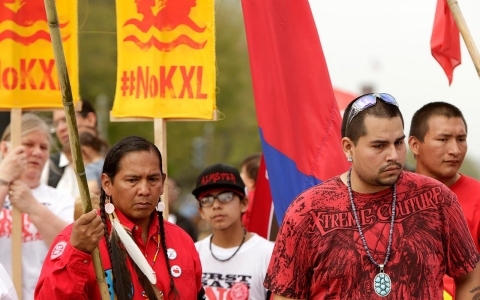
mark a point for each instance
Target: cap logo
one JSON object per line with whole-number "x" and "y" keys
{"x": 217, "y": 176}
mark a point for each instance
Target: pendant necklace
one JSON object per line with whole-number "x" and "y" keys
{"x": 382, "y": 284}
{"x": 229, "y": 258}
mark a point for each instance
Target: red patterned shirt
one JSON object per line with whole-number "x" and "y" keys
{"x": 319, "y": 253}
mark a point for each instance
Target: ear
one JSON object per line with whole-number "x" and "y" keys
{"x": 244, "y": 204}
{"x": 200, "y": 211}
{"x": 106, "y": 184}
{"x": 164, "y": 176}
{"x": 92, "y": 119}
{"x": 414, "y": 144}
{"x": 347, "y": 147}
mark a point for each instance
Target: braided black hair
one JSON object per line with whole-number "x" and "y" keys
{"x": 173, "y": 289}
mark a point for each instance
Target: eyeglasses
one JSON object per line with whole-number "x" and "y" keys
{"x": 223, "y": 197}
{"x": 367, "y": 101}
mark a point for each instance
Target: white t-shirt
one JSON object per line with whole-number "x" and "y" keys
{"x": 34, "y": 249}
{"x": 240, "y": 278}
{"x": 7, "y": 290}
{"x": 68, "y": 181}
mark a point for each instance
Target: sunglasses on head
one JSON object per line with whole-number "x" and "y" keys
{"x": 223, "y": 197}
{"x": 367, "y": 101}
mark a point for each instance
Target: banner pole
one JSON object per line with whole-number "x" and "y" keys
{"x": 17, "y": 222}
{"x": 467, "y": 37}
{"x": 160, "y": 133}
{"x": 67, "y": 100}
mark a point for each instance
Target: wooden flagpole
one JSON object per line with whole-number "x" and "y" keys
{"x": 160, "y": 132}
{"x": 67, "y": 100}
{"x": 17, "y": 222}
{"x": 467, "y": 37}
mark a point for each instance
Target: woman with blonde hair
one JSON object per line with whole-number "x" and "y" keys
{"x": 45, "y": 211}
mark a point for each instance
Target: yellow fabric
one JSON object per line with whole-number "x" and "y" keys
{"x": 28, "y": 76}
{"x": 446, "y": 296}
{"x": 166, "y": 59}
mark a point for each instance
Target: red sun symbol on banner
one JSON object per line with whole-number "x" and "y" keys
{"x": 24, "y": 13}
{"x": 164, "y": 15}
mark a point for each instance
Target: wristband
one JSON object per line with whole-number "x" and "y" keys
{"x": 4, "y": 182}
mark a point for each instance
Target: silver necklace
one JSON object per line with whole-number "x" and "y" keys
{"x": 228, "y": 258}
{"x": 382, "y": 285}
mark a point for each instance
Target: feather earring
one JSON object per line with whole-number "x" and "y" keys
{"x": 129, "y": 244}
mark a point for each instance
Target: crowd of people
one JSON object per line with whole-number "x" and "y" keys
{"x": 375, "y": 231}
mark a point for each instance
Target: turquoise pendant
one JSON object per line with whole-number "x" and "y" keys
{"x": 382, "y": 283}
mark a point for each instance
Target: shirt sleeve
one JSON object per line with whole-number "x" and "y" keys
{"x": 461, "y": 253}
{"x": 289, "y": 272}
{"x": 67, "y": 273}
{"x": 7, "y": 290}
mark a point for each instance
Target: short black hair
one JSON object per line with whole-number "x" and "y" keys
{"x": 419, "y": 124}
{"x": 85, "y": 107}
{"x": 356, "y": 128}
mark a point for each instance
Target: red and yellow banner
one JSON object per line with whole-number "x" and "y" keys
{"x": 166, "y": 59}
{"x": 28, "y": 76}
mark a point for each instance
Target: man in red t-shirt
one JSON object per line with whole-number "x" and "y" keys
{"x": 375, "y": 231}
{"x": 438, "y": 139}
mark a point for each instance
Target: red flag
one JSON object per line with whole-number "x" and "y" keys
{"x": 261, "y": 209}
{"x": 298, "y": 117}
{"x": 445, "y": 41}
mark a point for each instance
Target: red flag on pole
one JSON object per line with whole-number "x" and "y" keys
{"x": 445, "y": 41}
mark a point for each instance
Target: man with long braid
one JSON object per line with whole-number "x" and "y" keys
{"x": 375, "y": 231}
{"x": 132, "y": 182}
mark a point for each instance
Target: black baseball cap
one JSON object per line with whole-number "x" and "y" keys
{"x": 219, "y": 176}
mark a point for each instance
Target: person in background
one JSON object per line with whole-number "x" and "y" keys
{"x": 7, "y": 290}
{"x": 92, "y": 147}
{"x": 174, "y": 190}
{"x": 45, "y": 210}
{"x": 59, "y": 172}
{"x": 234, "y": 260}
{"x": 132, "y": 183}
{"x": 249, "y": 172}
{"x": 375, "y": 231}
{"x": 438, "y": 140}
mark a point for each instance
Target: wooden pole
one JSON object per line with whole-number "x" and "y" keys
{"x": 467, "y": 37}
{"x": 17, "y": 224}
{"x": 160, "y": 132}
{"x": 67, "y": 100}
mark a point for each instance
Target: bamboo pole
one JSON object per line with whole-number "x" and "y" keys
{"x": 67, "y": 100}
{"x": 160, "y": 133}
{"x": 17, "y": 222}
{"x": 467, "y": 37}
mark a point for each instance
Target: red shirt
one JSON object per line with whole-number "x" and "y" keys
{"x": 319, "y": 254}
{"x": 68, "y": 273}
{"x": 467, "y": 190}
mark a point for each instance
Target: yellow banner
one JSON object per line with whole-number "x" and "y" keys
{"x": 166, "y": 59}
{"x": 28, "y": 76}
